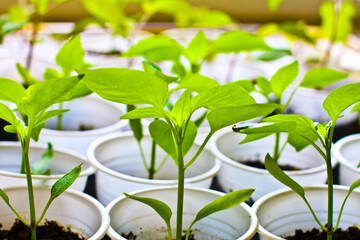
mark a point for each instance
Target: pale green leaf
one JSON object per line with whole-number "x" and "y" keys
{"x": 11, "y": 91}
{"x": 197, "y": 83}
{"x": 264, "y": 86}
{"x": 273, "y": 5}
{"x": 16, "y": 13}
{"x": 198, "y": 48}
{"x": 135, "y": 124}
{"x": 127, "y": 86}
{"x": 7, "y": 114}
{"x": 341, "y": 98}
{"x": 321, "y": 77}
{"x": 182, "y": 108}
{"x": 237, "y": 41}
{"x": 64, "y": 182}
{"x": 155, "y": 70}
{"x": 246, "y": 84}
{"x": 223, "y": 117}
{"x": 42, "y": 117}
{"x": 161, "y": 133}
{"x": 143, "y": 112}
{"x": 189, "y": 137}
{"x": 43, "y": 163}
{"x": 51, "y": 73}
{"x": 283, "y": 78}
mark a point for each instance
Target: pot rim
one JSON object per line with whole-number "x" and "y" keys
{"x": 105, "y": 223}
{"x": 287, "y": 191}
{"x": 254, "y": 222}
{"x": 338, "y": 147}
{"x": 84, "y": 172}
{"x": 109, "y": 137}
{"x": 215, "y": 150}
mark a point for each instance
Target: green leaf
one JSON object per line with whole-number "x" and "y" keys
{"x": 178, "y": 69}
{"x": 283, "y": 78}
{"x": 162, "y": 135}
{"x": 80, "y": 90}
{"x": 156, "y": 48}
{"x": 42, "y": 117}
{"x": 254, "y": 137}
{"x": 223, "y": 117}
{"x": 270, "y": 128}
{"x": 273, "y": 5}
{"x": 41, "y": 6}
{"x": 51, "y": 73}
{"x": 273, "y": 168}
{"x": 246, "y": 84}
{"x": 227, "y": 201}
{"x": 64, "y": 182}
{"x": 345, "y": 25}
{"x": 42, "y": 95}
{"x": 321, "y": 77}
{"x": 198, "y": 48}
{"x": 222, "y": 96}
{"x": 182, "y": 108}
{"x": 7, "y": 114}
{"x": 268, "y": 56}
{"x": 127, "y": 86}
{"x": 189, "y": 137}
{"x": 197, "y": 83}
{"x": 341, "y": 98}
{"x": 160, "y": 207}
{"x": 237, "y": 41}
{"x": 327, "y": 13}
{"x": 4, "y": 196}
{"x": 71, "y": 56}
{"x": 16, "y": 13}
{"x": 35, "y": 133}
{"x": 42, "y": 164}
{"x": 165, "y": 6}
{"x": 264, "y": 86}
{"x": 143, "y": 112}
{"x": 296, "y": 31}
{"x": 135, "y": 124}
{"x": 11, "y": 91}
{"x": 155, "y": 70}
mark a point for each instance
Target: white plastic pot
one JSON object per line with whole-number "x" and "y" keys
{"x": 102, "y": 115}
{"x": 128, "y": 215}
{"x": 84, "y": 214}
{"x": 120, "y": 168}
{"x": 235, "y": 175}
{"x": 282, "y": 212}
{"x": 63, "y": 161}
{"x": 346, "y": 152}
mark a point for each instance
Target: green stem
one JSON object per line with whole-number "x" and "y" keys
{"x": 152, "y": 160}
{"x": 276, "y": 147}
{"x": 162, "y": 163}
{"x": 199, "y": 150}
{"x": 330, "y": 183}
{"x": 180, "y": 193}
{"x": 59, "y": 118}
{"x": 143, "y": 155}
{"x": 26, "y": 147}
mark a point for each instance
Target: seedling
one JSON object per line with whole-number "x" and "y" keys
{"x": 273, "y": 90}
{"x": 174, "y": 132}
{"x": 34, "y": 102}
{"x": 303, "y": 131}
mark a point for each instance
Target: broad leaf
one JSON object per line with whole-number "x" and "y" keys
{"x": 321, "y": 77}
{"x": 222, "y": 96}
{"x": 197, "y": 83}
{"x": 268, "y": 56}
{"x": 283, "y": 78}
{"x": 42, "y": 164}
{"x": 35, "y": 133}
{"x": 11, "y": 91}
{"x": 26, "y": 75}
{"x": 223, "y": 117}
{"x": 345, "y": 25}
{"x": 156, "y": 48}
{"x": 7, "y": 114}
{"x": 4, "y": 196}
{"x": 189, "y": 137}
{"x": 273, "y": 168}
{"x": 135, "y": 124}
{"x": 127, "y": 86}
{"x": 71, "y": 56}
{"x": 341, "y": 98}
{"x": 151, "y": 68}
{"x": 198, "y": 48}
{"x": 80, "y": 90}
{"x": 264, "y": 86}
{"x": 42, "y": 95}
{"x": 64, "y": 182}
{"x": 237, "y": 41}
{"x": 161, "y": 133}
{"x": 51, "y": 73}
{"x": 227, "y": 201}
{"x": 165, "y": 6}
{"x": 296, "y": 31}
{"x": 182, "y": 108}
{"x": 143, "y": 112}
{"x": 42, "y": 117}
{"x": 246, "y": 84}
{"x": 160, "y": 207}
{"x": 270, "y": 128}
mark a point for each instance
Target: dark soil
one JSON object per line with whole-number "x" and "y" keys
{"x": 260, "y": 164}
{"x": 352, "y": 233}
{"x": 86, "y": 127}
{"x": 49, "y": 231}
{"x": 132, "y": 236}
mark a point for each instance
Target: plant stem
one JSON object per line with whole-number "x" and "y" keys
{"x": 330, "y": 183}
{"x": 59, "y": 118}
{"x": 26, "y": 146}
{"x": 33, "y": 40}
{"x": 152, "y": 160}
{"x": 180, "y": 193}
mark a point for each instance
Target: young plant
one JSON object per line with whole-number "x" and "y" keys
{"x": 273, "y": 90}
{"x": 302, "y": 131}
{"x": 174, "y": 131}
{"x": 34, "y": 102}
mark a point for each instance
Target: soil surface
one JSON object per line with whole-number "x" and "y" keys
{"x": 352, "y": 233}
{"x": 259, "y": 164}
{"x": 49, "y": 231}
{"x": 132, "y": 236}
